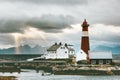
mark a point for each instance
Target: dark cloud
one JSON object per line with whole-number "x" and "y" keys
{"x": 6, "y": 39}
{"x": 47, "y": 23}
{"x": 11, "y": 26}
{"x": 51, "y": 23}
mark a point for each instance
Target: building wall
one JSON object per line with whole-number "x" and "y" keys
{"x": 81, "y": 55}
{"x": 101, "y": 61}
{"x": 62, "y": 52}
{"x": 50, "y": 55}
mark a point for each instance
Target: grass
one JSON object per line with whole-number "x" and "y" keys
{"x": 80, "y": 72}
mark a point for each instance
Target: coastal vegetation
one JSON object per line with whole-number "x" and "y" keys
{"x": 63, "y": 67}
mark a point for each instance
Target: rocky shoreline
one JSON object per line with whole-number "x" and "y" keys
{"x": 86, "y": 70}
{"x": 70, "y": 69}
{"x": 7, "y": 78}
{"x": 10, "y": 69}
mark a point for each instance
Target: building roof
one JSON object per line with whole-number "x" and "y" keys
{"x": 56, "y": 46}
{"x": 100, "y": 55}
{"x": 70, "y": 49}
{"x": 53, "y": 48}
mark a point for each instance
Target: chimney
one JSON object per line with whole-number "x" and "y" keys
{"x": 60, "y": 43}
{"x": 55, "y": 43}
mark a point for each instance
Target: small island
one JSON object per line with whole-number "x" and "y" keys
{"x": 61, "y": 59}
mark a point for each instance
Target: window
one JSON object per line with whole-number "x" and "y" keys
{"x": 93, "y": 61}
{"x": 100, "y": 61}
{"x": 62, "y": 47}
{"x": 71, "y": 51}
{"x": 108, "y": 61}
{"x": 81, "y": 52}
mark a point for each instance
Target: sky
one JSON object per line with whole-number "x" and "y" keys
{"x": 44, "y": 22}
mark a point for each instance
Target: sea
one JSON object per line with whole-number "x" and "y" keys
{"x": 32, "y": 75}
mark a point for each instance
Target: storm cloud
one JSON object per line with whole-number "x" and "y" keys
{"x": 51, "y": 23}
{"x": 46, "y": 23}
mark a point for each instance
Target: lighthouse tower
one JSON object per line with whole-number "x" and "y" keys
{"x": 85, "y": 39}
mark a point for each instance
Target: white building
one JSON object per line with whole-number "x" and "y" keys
{"x": 81, "y": 55}
{"x": 96, "y": 57}
{"x": 59, "y": 51}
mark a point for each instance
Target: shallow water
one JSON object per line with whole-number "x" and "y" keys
{"x": 32, "y": 75}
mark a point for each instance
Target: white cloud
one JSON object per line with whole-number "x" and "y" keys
{"x": 105, "y": 32}
{"x": 75, "y": 28}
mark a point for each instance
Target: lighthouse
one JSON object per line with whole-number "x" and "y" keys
{"x": 85, "y": 39}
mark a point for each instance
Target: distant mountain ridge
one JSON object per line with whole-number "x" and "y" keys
{"x": 26, "y": 49}
{"x": 114, "y": 50}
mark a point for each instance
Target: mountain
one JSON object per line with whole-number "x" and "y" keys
{"x": 114, "y": 50}
{"x": 26, "y": 49}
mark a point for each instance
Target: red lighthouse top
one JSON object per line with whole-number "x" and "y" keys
{"x": 85, "y": 25}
